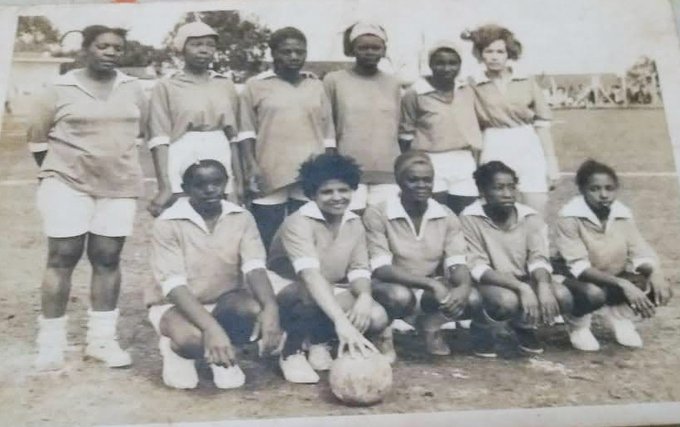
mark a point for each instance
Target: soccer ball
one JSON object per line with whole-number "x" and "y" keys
{"x": 360, "y": 381}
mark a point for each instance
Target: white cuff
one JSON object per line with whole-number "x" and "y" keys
{"x": 247, "y": 134}
{"x": 37, "y": 147}
{"x": 380, "y": 261}
{"x": 329, "y": 143}
{"x": 304, "y": 263}
{"x": 542, "y": 124}
{"x": 454, "y": 260}
{"x": 579, "y": 267}
{"x": 478, "y": 271}
{"x": 251, "y": 265}
{"x": 637, "y": 262}
{"x": 539, "y": 264}
{"x": 406, "y": 136}
{"x": 171, "y": 283}
{"x": 358, "y": 274}
{"x": 158, "y": 140}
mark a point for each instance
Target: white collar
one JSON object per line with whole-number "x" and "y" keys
{"x": 516, "y": 73}
{"x": 69, "y": 79}
{"x": 270, "y": 74}
{"x": 423, "y": 87}
{"x": 311, "y": 210}
{"x": 394, "y": 209}
{"x": 577, "y": 207}
{"x": 477, "y": 209}
{"x": 182, "y": 209}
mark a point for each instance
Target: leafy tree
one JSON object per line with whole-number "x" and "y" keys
{"x": 35, "y": 34}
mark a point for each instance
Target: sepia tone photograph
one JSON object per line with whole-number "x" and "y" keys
{"x": 248, "y": 210}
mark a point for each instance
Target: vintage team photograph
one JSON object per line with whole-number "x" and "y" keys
{"x": 290, "y": 209}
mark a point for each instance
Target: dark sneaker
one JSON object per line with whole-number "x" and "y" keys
{"x": 528, "y": 341}
{"x": 483, "y": 343}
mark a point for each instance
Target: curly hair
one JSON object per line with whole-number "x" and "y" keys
{"x": 589, "y": 168}
{"x": 483, "y": 36}
{"x": 285, "y": 33}
{"x": 190, "y": 173}
{"x": 324, "y": 167}
{"x": 485, "y": 174}
{"x": 91, "y": 33}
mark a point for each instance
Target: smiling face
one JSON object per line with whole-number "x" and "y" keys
{"x": 416, "y": 182}
{"x": 600, "y": 192}
{"x": 501, "y": 192}
{"x": 333, "y": 197}
{"x": 199, "y": 51}
{"x": 206, "y": 187}
{"x": 495, "y": 56}
{"x": 290, "y": 55}
{"x": 368, "y": 50}
{"x": 105, "y": 52}
{"x": 445, "y": 65}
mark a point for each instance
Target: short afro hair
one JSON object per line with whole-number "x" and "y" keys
{"x": 91, "y": 33}
{"x": 485, "y": 174}
{"x": 190, "y": 173}
{"x": 487, "y": 34}
{"x": 589, "y": 168}
{"x": 285, "y": 33}
{"x": 325, "y": 167}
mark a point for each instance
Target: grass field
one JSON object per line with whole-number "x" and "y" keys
{"x": 633, "y": 141}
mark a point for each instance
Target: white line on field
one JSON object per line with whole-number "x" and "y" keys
{"x": 20, "y": 182}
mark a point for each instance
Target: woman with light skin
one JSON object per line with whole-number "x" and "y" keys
{"x": 322, "y": 249}
{"x": 438, "y": 117}
{"x": 509, "y": 259}
{"x": 193, "y": 116}
{"x": 365, "y": 103}
{"x": 609, "y": 264}
{"x": 285, "y": 117}
{"x": 513, "y": 115}
{"x": 83, "y": 132}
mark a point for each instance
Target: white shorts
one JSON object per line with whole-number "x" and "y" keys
{"x": 195, "y": 146}
{"x": 453, "y": 173}
{"x": 372, "y": 194}
{"x": 520, "y": 149}
{"x": 67, "y": 212}
{"x": 281, "y": 196}
{"x": 156, "y": 313}
{"x": 279, "y": 283}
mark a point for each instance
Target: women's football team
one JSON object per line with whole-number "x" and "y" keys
{"x": 302, "y": 213}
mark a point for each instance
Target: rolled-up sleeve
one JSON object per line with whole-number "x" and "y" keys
{"x": 160, "y": 122}
{"x": 251, "y": 249}
{"x": 409, "y": 115}
{"x": 41, "y": 119}
{"x": 376, "y": 236}
{"x": 542, "y": 112}
{"x": 538, "y": 249}
{"x": 298, "y": 242}
{"x": 167, "y": 259}
{"x": 247, "y": 116}
{"x": 477, "y": 258}
{"x": 570, "y": 245}
{"x": 455, "y": 246}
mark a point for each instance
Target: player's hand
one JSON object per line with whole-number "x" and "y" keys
{"x": 530, "y": 304}
{"x": 218, "y": 348}
{"x": 352, "y": 342}
{"x": 268, "y": 329}
{"x": 549, "y": 308}
{"x": 360, "y": 313}
{"x": 662, "y": 292}
{"x": 163, "y": 199}
{"x": 637, "y": 299}
{"x": 453, "y": 305}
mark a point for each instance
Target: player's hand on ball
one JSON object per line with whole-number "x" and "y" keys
{"x": 352, "y": 342}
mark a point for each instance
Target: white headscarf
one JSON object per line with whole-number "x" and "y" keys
{"x": 192, "y": 29}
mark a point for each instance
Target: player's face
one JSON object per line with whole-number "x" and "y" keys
{"x": 417, "y": 182}
{"x": 502, "y": 192}
{"x": 290, "y": 55}
{"x": 105, "y": 52}
{"x": 445, "y": 65}
{"x": 333, "y": 197}
{"x": 600, "y": 192}
{"x": 200, "y": 51}
{"x": 368, "y": 50}
{"x": 495, "y": 56}
{"x": 206, "y": 190}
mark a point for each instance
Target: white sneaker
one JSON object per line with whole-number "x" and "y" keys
{"x": 623, "y": 327}
{"x": 400, "y": 325}
{"x": 51, "y": 343}
{"x": 579, "y": 333}
{"x": 49, "y": 359}
{"x": 178, "y": 372}
{"x": 296, "y": 369}
{"x": 448, "y": 326}
{"x": 465, "y": 324}
{"x": 226, "y": 378}
{"x": 109, "y": 352}
{"x": 319, "y": 357}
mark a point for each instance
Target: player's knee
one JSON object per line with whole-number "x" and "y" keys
{"x": 188, "y": 343}
{"x": 564, "y": 299}
{"x": 398, "y": 300}
{"x": 379, "y": 319}
{"x": 103, "y": 258}
{"x": 594, "y": 296}
{"x": 502, "y": 305}
{"x": 474, "y": 301}
{"x": 64, "y": 256}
